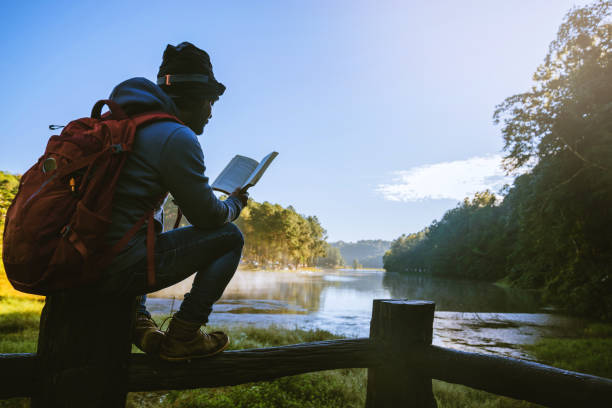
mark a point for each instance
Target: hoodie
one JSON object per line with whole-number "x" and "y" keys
{"x": 166, "y": 157}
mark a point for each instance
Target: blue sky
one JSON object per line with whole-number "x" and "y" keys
{"x": 380, "y": 110}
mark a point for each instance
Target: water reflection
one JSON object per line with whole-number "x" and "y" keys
{"x": 472, "y": 316}
{"x": 461, "y": 295}
{"x": 302, "y": 290}
{"x": 350, "y": 292}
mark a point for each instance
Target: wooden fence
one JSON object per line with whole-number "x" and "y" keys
{"x": 84, "y": 359}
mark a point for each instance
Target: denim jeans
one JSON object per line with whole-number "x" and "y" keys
{"x": 213, "y": 255}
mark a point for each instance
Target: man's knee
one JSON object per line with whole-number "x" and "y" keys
{"x": 236, "y": 233}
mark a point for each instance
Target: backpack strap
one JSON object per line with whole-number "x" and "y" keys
{"x": 116, "y": 111}
{"x": 122, "y": 243}
{"x": 150, "y": 117}
{"x": 138, "y": 120}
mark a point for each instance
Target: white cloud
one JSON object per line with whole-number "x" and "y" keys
{"x": 447, "y": 180}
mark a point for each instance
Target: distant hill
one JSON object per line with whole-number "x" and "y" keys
{"x": 368, "y": 252}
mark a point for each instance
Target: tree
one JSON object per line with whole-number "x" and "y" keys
{"x": 573, "y": 83}
{"x": 332, "y": 257}
{"x": 9, "y": 184}
{"x": 277, "y": 236}
{"x": 468, "y": 242}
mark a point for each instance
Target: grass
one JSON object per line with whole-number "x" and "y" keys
{"x": 457, "y": 396}
{"x": 590, "y": 352}
{"x": 19, "y": 325}
{"x": 338, "y": 388}
{"x": 19, "y": 317}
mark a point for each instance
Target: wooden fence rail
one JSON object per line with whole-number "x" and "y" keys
{"x": 399, "y": 355}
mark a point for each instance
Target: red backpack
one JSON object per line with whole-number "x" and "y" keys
{"x": 55, "y": 230}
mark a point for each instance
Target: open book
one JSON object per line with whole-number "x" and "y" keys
{"x": 241, "y": 172}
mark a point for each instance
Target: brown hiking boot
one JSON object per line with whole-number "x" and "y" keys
{"x": 146, "y": 335}
{"x": 184, "y": 340}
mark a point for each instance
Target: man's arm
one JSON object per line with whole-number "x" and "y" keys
{"x": 182, "y": 173}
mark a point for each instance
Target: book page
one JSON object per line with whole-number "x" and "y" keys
{"x": 259, "y": 171}
{"x": 235, "y": 174}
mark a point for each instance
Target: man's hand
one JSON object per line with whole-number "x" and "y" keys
{"x": 243, "y": 196}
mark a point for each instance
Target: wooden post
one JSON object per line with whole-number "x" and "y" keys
{"x": 84, "y": 347}
{"x": 398, "y": 326}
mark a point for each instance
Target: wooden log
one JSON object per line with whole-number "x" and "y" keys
{"x": 514, "y": 378}
{"x": 500, "y": 375}
{"x": 18, "y": 375}
{"x": 243, "y": 366}
{"x": 400, "y": 325}
{"x": 228, "y": 368}
{"x": 83, "y": 348}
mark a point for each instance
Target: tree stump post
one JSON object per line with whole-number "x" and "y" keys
{"x": 84, "y": 348}
{"x": 399, "y": 326}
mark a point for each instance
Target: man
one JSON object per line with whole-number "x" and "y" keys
{"x": 167, "y": 157}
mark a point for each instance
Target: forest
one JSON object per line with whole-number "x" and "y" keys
{"x": 280, "y": 237}
{"x": 276, "y": 237}
{"x": 551, "y": 229}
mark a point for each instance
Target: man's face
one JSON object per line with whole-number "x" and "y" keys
{"x": 198, "y": 117}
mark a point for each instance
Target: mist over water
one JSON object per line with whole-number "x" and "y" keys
{"x": 470, "y": 315}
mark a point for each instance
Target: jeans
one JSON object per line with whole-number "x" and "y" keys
{"x": 213, "y": 255}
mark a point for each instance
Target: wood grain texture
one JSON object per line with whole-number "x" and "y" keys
{"x": 243, "y": 366}
{"x": 400, "y": 325}
{"x": 514, "y": 378}
{"x": 500, "y": 375}
{"x": 83, "y": 351}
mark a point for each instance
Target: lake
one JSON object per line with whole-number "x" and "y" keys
{"x": 470, "y": 315}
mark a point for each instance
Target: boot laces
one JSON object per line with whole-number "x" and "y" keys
{"x": 164, "y": 321}
{"x": 167, "y": 318}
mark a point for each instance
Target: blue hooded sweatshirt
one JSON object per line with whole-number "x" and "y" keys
{"x": 166, "y": 157}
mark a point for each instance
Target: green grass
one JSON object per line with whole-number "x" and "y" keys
{"x": 457, "y": 396}
{"x": 338, "y": 388}
{"x": 19, "y": 317}
{"x": 590, "y": 353}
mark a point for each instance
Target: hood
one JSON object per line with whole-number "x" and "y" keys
{"x": 139, "y": 95}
